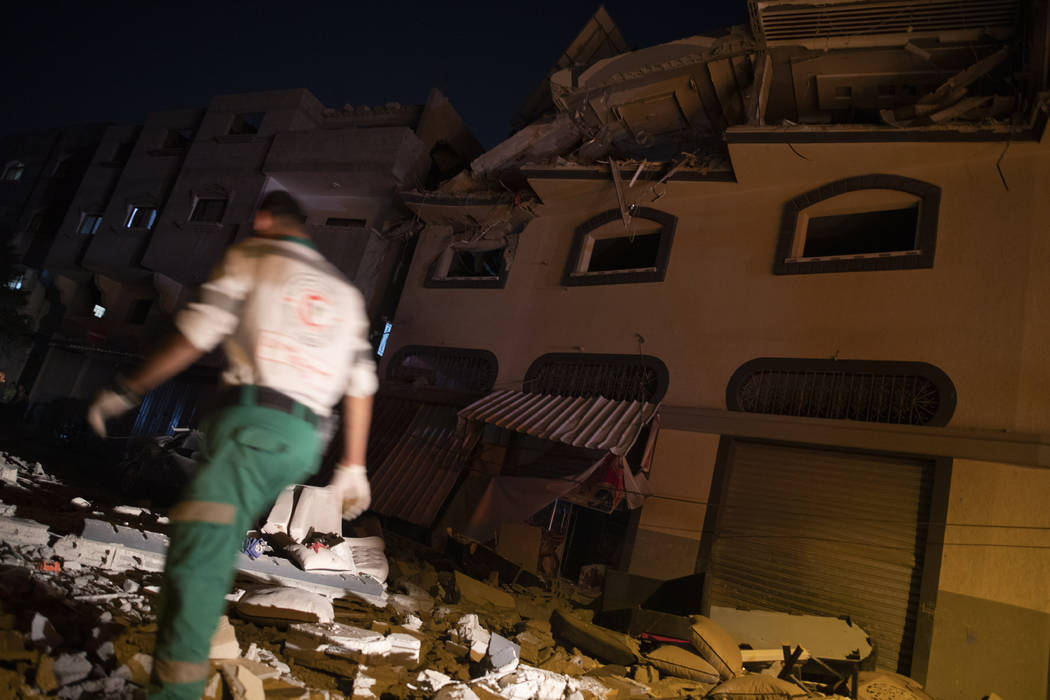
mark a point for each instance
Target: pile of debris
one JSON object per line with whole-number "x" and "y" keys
{"x": 78, "y": 619}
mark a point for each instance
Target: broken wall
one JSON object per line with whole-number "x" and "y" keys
{"x": 991, "y": 629}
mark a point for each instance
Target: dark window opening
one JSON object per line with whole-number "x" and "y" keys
{"x": 140, "y": 311}
{"x": 122, "y": 152}
{"x": 209, "y": 210}
{"x": 89, "y": 224}
{"x": 341, "y": 221}
{"x": 66, "y": 167}
{"x": 476, "y": 263}
{"x": 246, "y": 123}
{"x": 176, "y": 139}
{"x": 903, "y": 238}
{"x": 868, "y": 232}
{"x": 844, "y": 91}
{"x": 638, "y": 252}
{"x": 604, "y": 253}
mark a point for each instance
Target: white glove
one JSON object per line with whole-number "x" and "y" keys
{"x": 108, "y": 404}
{"x": 351, "y": 482}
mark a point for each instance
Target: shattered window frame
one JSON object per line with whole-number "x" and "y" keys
{"x": 903, "y": 193}
{"x": 438, "y": 277}
{"x": 576, "y": 273}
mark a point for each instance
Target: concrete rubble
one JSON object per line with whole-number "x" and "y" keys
{"x": 83, "y": 626}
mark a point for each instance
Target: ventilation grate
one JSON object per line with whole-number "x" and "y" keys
{"x": 792, "y": 22}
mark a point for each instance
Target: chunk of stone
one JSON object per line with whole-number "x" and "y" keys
{"x": 468, "y": 630}
{"x": 70, "y": 668}
{"x": 404, "y": 648}
{"x": 224, "y": 642}
{"x": 504, "y": 654}
{"x": 456, "y": 691}
{"x": 43, "y": 633}
{"x": 13, "y": 648}
{"x": 45, "y": 678}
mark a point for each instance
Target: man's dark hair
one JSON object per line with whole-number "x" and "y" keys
{"x": 280, "y": 204}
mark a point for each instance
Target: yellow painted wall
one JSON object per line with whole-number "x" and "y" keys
{"x": 978, "y": 314}
{"x": 991, "y": 620}
{"x": 672, "y": 518}
{"x": 1009, "y": 563}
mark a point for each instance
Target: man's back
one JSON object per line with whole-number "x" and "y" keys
{"x": 291, "y": 321}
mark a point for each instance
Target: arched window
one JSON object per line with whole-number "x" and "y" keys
{"x": 435, "y": 367}
{"x": 606, "y": 251}
{"x": 874, "y": 222}
{"x": 906, "y": 393}
{"x": 617, "y": 377}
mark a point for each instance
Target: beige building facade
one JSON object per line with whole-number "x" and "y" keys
{"x": 849, "y": 426}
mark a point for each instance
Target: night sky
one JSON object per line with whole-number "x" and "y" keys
{"x": 71, "y": 63}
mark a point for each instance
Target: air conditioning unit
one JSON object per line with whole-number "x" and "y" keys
{"x": 836, "y": 24}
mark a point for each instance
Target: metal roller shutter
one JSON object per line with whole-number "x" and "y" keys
{"x": 824, "y": 532}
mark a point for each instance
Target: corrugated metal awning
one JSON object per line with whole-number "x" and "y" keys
{"x": 594, "y": 422}
{"x": 419, "y": 456}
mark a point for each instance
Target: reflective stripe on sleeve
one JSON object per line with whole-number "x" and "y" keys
{"x": 167, "y": 671}
{"x": 204, "y": 512}
{"x": 221, "y": 301}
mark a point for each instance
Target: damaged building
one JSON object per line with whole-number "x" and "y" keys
{"x": 761, "y": 305}
{"x": 728, "y": 358}
{"x": 153, "y": 208}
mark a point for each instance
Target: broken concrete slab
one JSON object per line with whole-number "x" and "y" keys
{"x": 285, "y": 604}
{"x": 605, "y": 644}
{"x": 22, "y": 532}
{"x": 534, "y": 143}
{"x": 475, "y": 592}
{"x": 822, "y": 636}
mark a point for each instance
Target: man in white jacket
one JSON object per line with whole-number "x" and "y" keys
{"x": 295, "y": 333}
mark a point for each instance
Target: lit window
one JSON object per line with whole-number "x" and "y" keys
{"x": 246, "y": 123}
{"x": 386, "y": 336}
{"x": 141, "y": 217}
{"x": 89, "y": 224}
{"x": 19, "y": 280}
{"x": 13, "y": 171}
{"x": 99, "y": 311}
{"x": 606, "y": 251}
{"x": 209, "y": 210}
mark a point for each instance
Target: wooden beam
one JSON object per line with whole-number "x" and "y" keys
{"x": 759, "y": 94}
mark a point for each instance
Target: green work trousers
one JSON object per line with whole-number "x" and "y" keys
{"x": 250, "y": 454}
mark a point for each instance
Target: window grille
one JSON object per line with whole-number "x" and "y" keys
{"x": 617, "y": 377}
{"x": 457, "y": 369}
{"x": 905, "y": 393}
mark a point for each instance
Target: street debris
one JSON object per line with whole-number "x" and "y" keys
{"x": 77, "y": 620}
